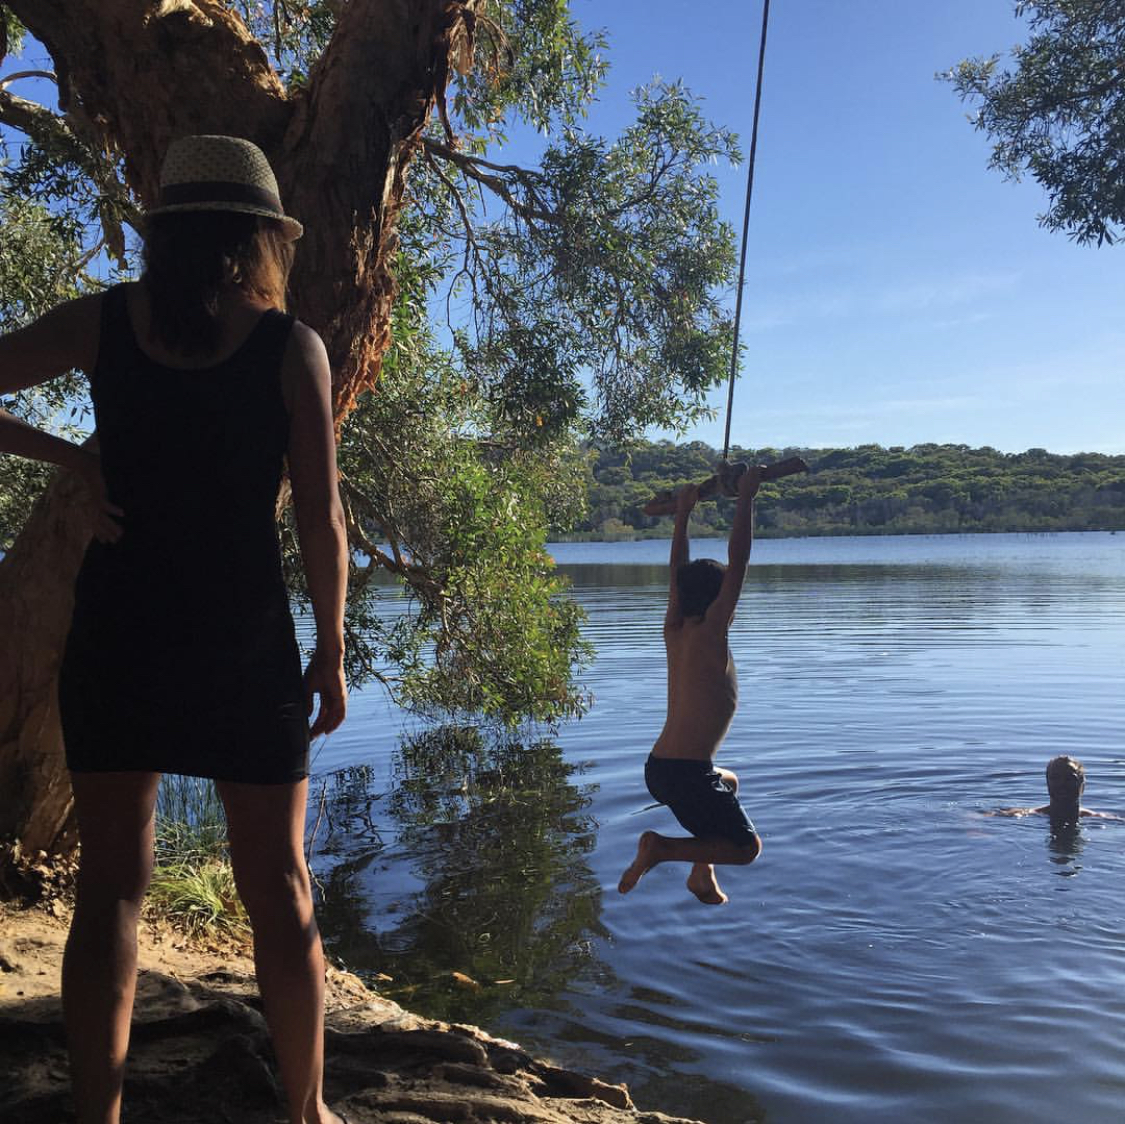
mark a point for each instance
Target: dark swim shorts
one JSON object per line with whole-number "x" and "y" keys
{"x": 697, "y": 795}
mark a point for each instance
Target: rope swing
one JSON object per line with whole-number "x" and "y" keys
{"x": 725, "y": 480}
{"x": 746, "y": 223}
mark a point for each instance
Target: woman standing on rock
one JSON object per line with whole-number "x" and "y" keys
{"x": 181, "y": 656}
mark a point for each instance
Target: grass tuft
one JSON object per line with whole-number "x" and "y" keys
{"x": 190, "y": 823}
{"x": 199, "y": 898}
{"x": 193, "y": 883}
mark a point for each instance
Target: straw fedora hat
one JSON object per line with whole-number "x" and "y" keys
{"x": 217, "y": 173}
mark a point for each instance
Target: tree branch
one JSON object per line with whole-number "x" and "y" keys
{"x": 417, "y": 576}
{"x": 472, "y": 249}
{"x": 472, "y": 166}
{"x": 37, "y": 122}
{"x": 54, "y": 133}
{"x": 8, "y": 79}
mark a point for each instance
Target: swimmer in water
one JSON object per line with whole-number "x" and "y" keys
{"x": 1066, "y": 780}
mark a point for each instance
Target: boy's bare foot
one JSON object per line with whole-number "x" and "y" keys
{"x": 701, "y": 882}
{"x": 646, "y": 859}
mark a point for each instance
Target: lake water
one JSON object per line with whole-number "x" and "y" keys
{"x": 894, "y": 955}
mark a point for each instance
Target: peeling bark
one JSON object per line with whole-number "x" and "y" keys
{"x": 133, "y": 75}
{"x": 345, "y": 156}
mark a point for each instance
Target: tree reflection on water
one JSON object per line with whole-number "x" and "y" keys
{"x": 466, "y": 882}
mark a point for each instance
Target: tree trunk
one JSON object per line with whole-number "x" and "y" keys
{"x": 135, "y": 74}
{"x": 36, "y": 597}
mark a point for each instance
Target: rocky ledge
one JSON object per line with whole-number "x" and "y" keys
{"x": 200, "y": 1051}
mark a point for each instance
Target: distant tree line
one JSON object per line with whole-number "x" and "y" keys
{"x": 924, "y": 489}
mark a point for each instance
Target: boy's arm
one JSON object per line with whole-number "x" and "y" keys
{"x": 686, "y": 499}
{"x": 738, "y": 548}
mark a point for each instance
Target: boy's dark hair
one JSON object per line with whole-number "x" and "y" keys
{"x": 698, "y": 584}
{"x": 190, "y": 255}
{"x": 1066, "y": 778}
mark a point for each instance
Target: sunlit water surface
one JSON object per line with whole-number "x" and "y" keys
{"x": 895, "y": 955}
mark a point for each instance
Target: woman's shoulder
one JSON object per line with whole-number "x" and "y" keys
{"x": 67, "y": 336}
{"x": 306, "y": 337}
{"x": 80, "y": 314}
{"x": 305, "y": 353}
{"x": 304, "y": 366}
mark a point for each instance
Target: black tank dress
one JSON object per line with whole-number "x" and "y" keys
{"x": 181, "y": 656}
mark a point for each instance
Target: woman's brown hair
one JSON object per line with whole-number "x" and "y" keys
{"x": 191, "y": 255}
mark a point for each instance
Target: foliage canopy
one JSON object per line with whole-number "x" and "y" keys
{"x": 1058, "y": 113}
{"x": 573, "y": 296}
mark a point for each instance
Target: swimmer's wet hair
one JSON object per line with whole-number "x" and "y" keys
{"x": 1066, "y": 778}
{"x": 698, "y": 584}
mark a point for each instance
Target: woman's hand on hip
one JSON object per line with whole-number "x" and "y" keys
{"x": 106, "y": 516}
{"x": 325, "y": 677}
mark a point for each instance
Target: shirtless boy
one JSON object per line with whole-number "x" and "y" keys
{"x": 702, "y": 697}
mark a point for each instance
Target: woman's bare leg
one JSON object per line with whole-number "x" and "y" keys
{"x": 115, "y": 829}
{"x": 266, "y": 826}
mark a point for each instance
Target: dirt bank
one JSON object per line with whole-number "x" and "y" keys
{"x": 200, "y": 1050}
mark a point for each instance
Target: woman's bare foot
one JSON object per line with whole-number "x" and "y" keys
{"x": 701, "y": 882}
{"x": 329, "y": 1117}
{"x": 647, "y": 858}
{"x": 322, "y": 1114}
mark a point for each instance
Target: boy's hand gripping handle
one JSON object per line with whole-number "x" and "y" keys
{"x": 726, "y": 483}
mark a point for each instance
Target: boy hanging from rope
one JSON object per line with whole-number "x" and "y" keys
{"x": 702, "y": 697}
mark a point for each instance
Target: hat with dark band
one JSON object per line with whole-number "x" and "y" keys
{"x": 217, "y": 173}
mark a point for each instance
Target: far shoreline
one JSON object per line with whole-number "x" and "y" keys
{"x": 658, "y": 533}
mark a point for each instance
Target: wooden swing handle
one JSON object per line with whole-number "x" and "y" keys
{"x": 665, "y": 502}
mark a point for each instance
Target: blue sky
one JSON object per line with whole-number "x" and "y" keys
{"x": 898, "y": 291}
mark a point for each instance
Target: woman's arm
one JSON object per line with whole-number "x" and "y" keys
{"x": 64, "y": 339}
{"x": 320, "y": 518}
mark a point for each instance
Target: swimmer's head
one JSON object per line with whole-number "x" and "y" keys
{"x": 1066, "y": 778}
{"x": 698, "y": 584}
